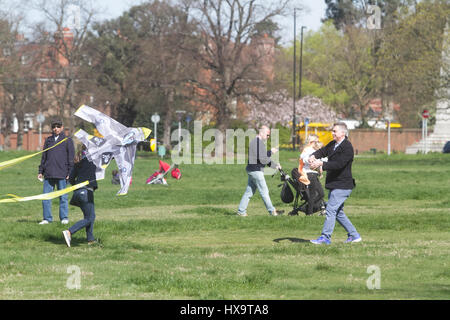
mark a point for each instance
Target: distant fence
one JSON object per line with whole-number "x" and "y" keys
{"x": 30, "y": 140}
{"x": 364, "y": 140}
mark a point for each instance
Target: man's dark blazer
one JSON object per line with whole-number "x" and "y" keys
{"x": 338, "y": 166}
{"x": 57, "y": 162}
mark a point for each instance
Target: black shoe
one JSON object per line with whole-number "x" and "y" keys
{"x": 95, "y": 243}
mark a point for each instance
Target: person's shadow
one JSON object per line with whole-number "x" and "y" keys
{"x": 60, "y": 240}
{"x": 291, "y": 239}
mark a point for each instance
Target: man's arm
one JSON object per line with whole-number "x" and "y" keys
{"x": 341, "y": 159}
{"x": 322, "y": 152}
{"x": 70, "y": 156}
{"x": 264, "y": 155}
{"x": 43, "y": 159}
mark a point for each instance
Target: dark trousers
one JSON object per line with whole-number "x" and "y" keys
{"x": 315, "y": 193}
{"x": 87, "y": 206}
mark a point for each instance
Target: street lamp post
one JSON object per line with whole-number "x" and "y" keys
{"x": 180, "y": 114}
{"x": 294, "y": 126}
{"x": 40, "y": 119}
{"x": 294, "y": 120}
{"x": 301, "y": 64}
{"x": 155, "y": 119}
{"x": 389, "y": 136}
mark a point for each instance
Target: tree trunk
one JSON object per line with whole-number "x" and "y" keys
{"x": 224, "y": 113}
{"x": 126, "y": 112}
{"x": 20, "y": 133}
{"x": 168, "y": 118}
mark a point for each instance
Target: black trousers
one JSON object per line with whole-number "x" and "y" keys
{"x": 315, "y": 193}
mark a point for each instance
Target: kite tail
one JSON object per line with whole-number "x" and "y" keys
{"x": 10, "y": 163}
{"x": 45, "y": 196}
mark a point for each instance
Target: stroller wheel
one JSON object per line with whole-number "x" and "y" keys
{"x": 323, "y": 210}
{"x": 293, "y": 213}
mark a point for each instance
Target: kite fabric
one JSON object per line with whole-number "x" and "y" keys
{"x": 44, "y": 196}
{"x": 118, "y": 142}
{"x": 10, "y": 163}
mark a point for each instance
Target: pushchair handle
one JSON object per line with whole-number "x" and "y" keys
{"x": 283, "y": 174}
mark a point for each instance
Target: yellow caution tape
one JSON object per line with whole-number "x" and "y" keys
{"x": 44, "y": 196}
{"x": 9, "y": 163}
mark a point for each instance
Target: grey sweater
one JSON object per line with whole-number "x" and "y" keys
{"x": 258, "y": 156}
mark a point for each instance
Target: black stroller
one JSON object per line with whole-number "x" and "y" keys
{"x": 302, "y": 196}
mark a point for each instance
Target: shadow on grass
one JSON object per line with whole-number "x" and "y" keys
{"x": 291, "y": 240}
{"x": 28, "y": 221}
{"x": 60, "y": 241}
{"x": 212, "y": 211}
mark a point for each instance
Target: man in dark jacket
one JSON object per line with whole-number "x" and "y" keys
{"x": 339, "y": 182}
{"x": 54, "y": 170}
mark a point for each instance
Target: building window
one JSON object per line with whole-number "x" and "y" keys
{"x": 24, "y": 59}
{"x": 6, "y": 52}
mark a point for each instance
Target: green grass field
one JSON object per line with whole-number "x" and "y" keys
{"x": 184, "y": 241}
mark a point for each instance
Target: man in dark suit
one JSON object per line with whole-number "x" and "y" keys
{"x": 339, "y": 182}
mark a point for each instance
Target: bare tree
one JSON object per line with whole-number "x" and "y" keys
{"x": 21, "y": 94}
{"x": 18, "y": 69}
{"x": 64, "y": 29}
{"x": 165, "y": 29}
{"x": 230, "y": 59}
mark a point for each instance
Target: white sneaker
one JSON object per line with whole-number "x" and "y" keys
{"x": 65, "y": 221}
{"x": 67, "y": 237}
{"x": 44, "y": 222}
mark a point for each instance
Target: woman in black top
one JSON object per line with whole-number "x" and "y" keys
{"x": 84, "y": 197}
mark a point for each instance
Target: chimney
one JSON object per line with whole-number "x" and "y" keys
{"x": 20, "y": 37}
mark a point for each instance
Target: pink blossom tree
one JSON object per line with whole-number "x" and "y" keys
{"x": 278, "y": 108}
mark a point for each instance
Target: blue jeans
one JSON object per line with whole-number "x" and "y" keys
{"x": 87, "y": 206}
{"x": 256, "y": 180}
{"x": 49, "y": 186}
{"x": 335, "y": 211}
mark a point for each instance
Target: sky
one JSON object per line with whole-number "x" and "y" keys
{"x": 310, "y": 17}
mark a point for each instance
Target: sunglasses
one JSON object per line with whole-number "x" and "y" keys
{"x": 56, "y": 126}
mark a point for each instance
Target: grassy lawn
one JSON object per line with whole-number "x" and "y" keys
{"x": 184, "y": 241}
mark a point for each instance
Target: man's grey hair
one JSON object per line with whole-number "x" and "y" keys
{"x": 342, "y": 126}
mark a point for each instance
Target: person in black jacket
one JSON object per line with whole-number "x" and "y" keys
{"x": 54, "y": 170}
{"x": 84, "y": 170}
{"x": 339, "y": 182}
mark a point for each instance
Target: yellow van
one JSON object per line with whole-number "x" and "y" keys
{"x": 322, "y": 130}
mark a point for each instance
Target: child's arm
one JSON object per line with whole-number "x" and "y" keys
{"x": 320, "y": 170}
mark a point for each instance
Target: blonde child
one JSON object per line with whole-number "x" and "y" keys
{"x": 315, "y": 190}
